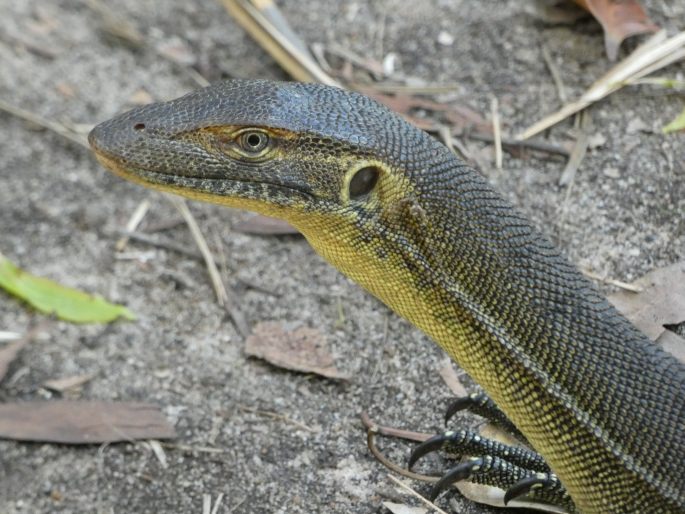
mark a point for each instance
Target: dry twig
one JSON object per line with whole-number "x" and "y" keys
{"x": 653, "y": 55}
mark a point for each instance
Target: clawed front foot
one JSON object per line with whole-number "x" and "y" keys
{"x": 522, "y": 474}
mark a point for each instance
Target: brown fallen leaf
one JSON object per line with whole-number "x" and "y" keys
{"x": 265, "y": 226}
{"x": 86, "y": 422}
{"x": 661, "y": 302}
{"x": 620, "y": 20}
{"x": 459, "y": 117}
{"x": 673, "y": 344}
{"x": 300, "y": 349}
{"x": 61, "y": 385}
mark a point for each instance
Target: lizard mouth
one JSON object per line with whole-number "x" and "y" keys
{"x": 176, "y": 182}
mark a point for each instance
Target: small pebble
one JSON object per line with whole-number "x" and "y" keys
{"x": 611, "y": 172}
{"x": 445, "y": 38}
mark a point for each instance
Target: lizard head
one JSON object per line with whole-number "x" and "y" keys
{"x": 285, "y": 149}
{"x": 337, "y": 165}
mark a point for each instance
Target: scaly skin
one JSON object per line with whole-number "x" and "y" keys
{"x": 431, "y": 239}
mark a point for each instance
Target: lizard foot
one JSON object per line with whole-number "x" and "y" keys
{"x": 482, "y": 405}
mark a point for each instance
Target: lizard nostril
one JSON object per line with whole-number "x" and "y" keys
{"x": 139, "y": 126}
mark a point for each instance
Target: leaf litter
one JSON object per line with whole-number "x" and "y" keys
{"x": 620, "y": 20}
{"x": 659, "y": 305}
{"x": 294, "y": 348}
{"x": 82, "y": 422}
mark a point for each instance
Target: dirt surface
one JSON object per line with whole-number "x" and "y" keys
{"x": 60, "y": 214}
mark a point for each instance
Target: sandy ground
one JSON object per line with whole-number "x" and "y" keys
{"x": 60, "y": 213}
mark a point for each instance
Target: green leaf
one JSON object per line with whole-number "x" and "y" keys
{"x": 676, "y": 125}
{"x": 51, "y": 298}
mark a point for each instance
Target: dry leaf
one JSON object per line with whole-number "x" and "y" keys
{"x": 459, "y": 117}
{"x": 265, "y": 226}
{"x": 673, "y": 344}
{"x": 620, "y": 19}
{"x": 449, "y": 376}
{"x": 90, "y": 422}
{"x": 177, "y": 51}
{"x": 267, "y": 26}
{"x": 661, "y": 302}
{"x": 656, "y": 53}
{"x": 61, "y": 385}
{"x": 140, "y": 97}
{"x": 302, "y": 349}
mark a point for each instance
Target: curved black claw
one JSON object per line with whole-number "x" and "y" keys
{"x": 429, "y": 445}
{"x": 461, "y": 472}
{"x": 528, "y": 484}
{"x": 482, "y": 404}
{"x": 460, "y": 404}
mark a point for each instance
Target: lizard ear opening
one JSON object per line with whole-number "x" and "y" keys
{"x": 362, "y": 182}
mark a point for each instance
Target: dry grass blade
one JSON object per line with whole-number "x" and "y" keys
{"x": 262, "y": 20}
{"x": 10, "y": 351}
{"x": 417, "y": 495}
{"x": 496, "y": 132}
{"x": 613, "y": 282}
{"x": 578, "y": 153}
{"x": 133, "y": 223}
{"x": 653, "y": 55}
{"x": 51, "y": 125}
{"x": 116, "y": 25}
{"x": 451, "y": 379}
{"x": 277, "y": 416}
{"x": 62, "y": 385}
{"x": 220, "y": 289}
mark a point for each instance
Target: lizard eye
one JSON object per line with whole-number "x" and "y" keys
{"x": 253, "y": 142}
{"x": 363, "y": 182}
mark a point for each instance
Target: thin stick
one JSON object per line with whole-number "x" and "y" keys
{"x": 162, "y": 243}
{"x": 193, "y": 449}
{"x": 611, "y": 281}
{"x": 45, "y": 123}
{"x": 654, "y": 54}
{"x": 157, "y": 449}
{"x": 517, "y": 144}
{"x": 409, "y": 435}
{"x": 578, "y": 153}
{"x": 556, "y": 76}
{"x": 417, "y": 495}
{"x": 133, "y": 223}
{"x": 217, "y": 504}
{"x": 371, "y": 444}
{"x": 276, "y": 415}
{"x": 223, "y": 299}
{"x": 496, "y": 132}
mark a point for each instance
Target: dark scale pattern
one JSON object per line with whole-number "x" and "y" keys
{"x": 503, "y": 474}
{"x": 601, "y": 403}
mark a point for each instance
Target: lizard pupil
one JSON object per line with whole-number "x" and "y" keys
{"x": 254, "y": 142}
{"x": 363, "y": 182}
